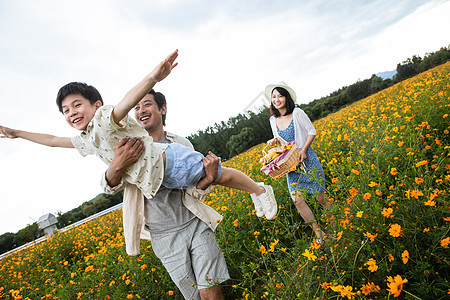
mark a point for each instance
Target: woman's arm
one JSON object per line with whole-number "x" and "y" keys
{"x": 39, "y": 138}
{"x": 138, "y": 92}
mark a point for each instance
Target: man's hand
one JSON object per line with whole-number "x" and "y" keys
{"x": 127, "y": 153}
{"x": 211, "y": 166}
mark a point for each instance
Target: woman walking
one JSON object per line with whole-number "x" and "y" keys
{"x": 290, "y": 123}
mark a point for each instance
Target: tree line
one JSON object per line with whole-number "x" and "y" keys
{"x": 240, "y": 133}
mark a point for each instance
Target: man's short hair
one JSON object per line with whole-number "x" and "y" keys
{"x": 78, "y": 88}
{"x": 160, "y": 100}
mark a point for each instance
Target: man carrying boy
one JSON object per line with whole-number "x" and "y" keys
{"x": 174, "y": 229}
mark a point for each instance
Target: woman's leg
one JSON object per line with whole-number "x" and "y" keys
{"x": 306, "y": 213}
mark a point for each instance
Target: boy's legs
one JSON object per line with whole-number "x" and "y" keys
{"x": 235, "y": 179}
{"x": 262, "y": 195}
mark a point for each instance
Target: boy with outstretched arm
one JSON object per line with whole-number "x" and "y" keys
{"x": 172, "y": 165}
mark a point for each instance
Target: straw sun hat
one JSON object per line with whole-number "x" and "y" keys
{"x": 281, "y": 84}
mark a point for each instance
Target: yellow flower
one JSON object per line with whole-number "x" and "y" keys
{"x": 309, "y": 255}
{"x": 356, "y": 172}
{"x": 346, "y": 291}
{"x": 394, "y": 171}
{"x": 256, "y": 233}
{"x": 372, "y": 265}
{"x": 395, "y": 230}
{"x": 372, "y": 184}
{"x": 130, "y": 296}
{"x": 395, "y": 285}
{"x": 170, "y": 293}
{"x": 359, "y": 214}
{"x": 272, "y": 246}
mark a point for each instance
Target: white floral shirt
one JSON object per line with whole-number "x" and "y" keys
{"x": 102, "y": 136}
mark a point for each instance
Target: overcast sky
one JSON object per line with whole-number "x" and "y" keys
{"x": 228, "y": 52}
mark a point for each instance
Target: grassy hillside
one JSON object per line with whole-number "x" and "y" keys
{"x": 386, "y": 160}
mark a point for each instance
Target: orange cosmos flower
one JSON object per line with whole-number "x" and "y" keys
{"x": 371, "y": 236}
{"x": 394, "y": 171}
{"x": 395, "y": 230}
{"x": 405, "y": 256}
{"x": 390, "y": 257}
{"x": 395, "y": 285}
{"x": 372, "y": 265}
{"x": 421, "y": 163}
{"x": 386, "y": 212}
{"x": 445, "y": 242}
{"x": 236, "y": 223}
{"x": 356, "y": 172}
{"x": 353, "y": 191}
{"x": 416, "y": 194}
{"x": 263, "y": 249}
{"x": 367, "y": 196}
{"x": 339, "y": 236}
{"x": 419, "y": 180}
{"x": 430, "y": 203}
{"x": 325, "y": 285}
{"x": 366, "y": 289}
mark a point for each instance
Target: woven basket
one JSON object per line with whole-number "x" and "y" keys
{"x": 285, "y": 164}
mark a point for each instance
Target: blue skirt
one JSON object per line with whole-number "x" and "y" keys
{"x": 310, "y": 179}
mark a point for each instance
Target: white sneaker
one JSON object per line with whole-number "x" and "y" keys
{"x": 258, "y": 206}
{"x": 268, "y": 202}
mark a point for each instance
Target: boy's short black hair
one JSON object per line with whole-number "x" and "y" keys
{"x": 160, "y": 100}
{"x": 290, "y": 105}
{"x": 87, "y": 91}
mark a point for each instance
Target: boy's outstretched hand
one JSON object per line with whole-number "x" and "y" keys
{"x": 165, "y": 67}
{"x": 6, "y": 132}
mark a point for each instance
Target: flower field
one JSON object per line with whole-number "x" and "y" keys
{"x": 387, "y": 166}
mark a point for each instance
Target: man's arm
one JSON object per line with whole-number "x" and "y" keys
{"x": 211, "y": 165}
{"x": 127, "y": 153}
{"x": 135, "y": 95}
{"x": 39, "y": 138}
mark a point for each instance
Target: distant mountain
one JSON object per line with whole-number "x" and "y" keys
{"x": 387, "y": 74}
